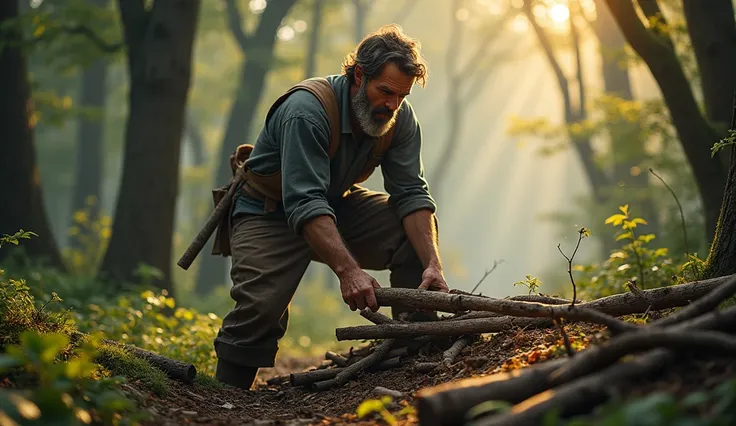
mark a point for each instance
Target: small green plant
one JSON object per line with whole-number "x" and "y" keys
{"x": 531, "y": 283}
{"x": 15, "y": 238}
{"x": 380, "y": 407}
{"x": 89, "y": 235}
{"x": 723, "y": 143}
{"x": 635, "y": 261}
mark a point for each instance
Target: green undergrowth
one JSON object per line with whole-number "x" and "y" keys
{"x": 52, "y": 374}
{"x": 711, "y": 407}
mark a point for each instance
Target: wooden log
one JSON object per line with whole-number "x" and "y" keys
{"x": 439, "y": 328}
{"x": 580, "y": 396}
{"x": 376, "y": 317}
{"x": 174, "y": 369}
{"x": 348, "y": 372}
{"x": 536, "y": 298}
{"x": 705, "y": 304}
{"x": 447, "y": 403}
{"x": 615, "y": 305}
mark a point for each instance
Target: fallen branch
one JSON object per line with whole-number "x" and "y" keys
{"x": 379, "y": 390}
{"x": 348, "y": 372}
{"x": 446, "y": 404}
{"x": 376, "y": 317}
{"x": 448, "y": 357}
{"x": 306, "y": 378}
{"x": 439, "y": 328}
{"x": 337, "y": 359}
{"x": 706, "y": 303}
{"x": 536, "y": 298}
{"x": 481, "y": 322}
{"x": 579, "y": 396}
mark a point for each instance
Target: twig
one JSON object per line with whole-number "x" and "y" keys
{"x": 486, "y": 274}
{"x": 682, "y": 220}
{"x": 560, "y": 327}
{"x": 380, "y": 390}
{"x": 448, "y": 357}
{"x": 306, "y": 378}
{"x": 347, "y": 373}
{"x": 338, "y": 359}
{"x": 581, "y": 233}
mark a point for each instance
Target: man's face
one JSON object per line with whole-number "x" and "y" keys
{"x": 377, "y": 101}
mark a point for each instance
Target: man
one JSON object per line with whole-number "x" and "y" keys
{"x": 321, "y": 214}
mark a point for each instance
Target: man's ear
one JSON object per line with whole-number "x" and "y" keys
{"x": 358, "y": 75}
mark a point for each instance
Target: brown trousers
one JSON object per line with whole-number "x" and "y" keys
{"x": 269, "y": 260}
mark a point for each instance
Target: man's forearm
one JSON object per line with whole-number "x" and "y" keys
{"x": 321, "y": 234}
{"x": 422, "y": 233}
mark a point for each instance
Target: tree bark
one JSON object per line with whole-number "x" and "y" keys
{"x": 722, "y": 255}
{"x": 627, "y": 141}
{"x": 713, "y": 35}
{"x": 317, "y": 10}
{"x": 88, "y": 175}
{"x": 160, "y": 43}
{"x": 259, "y": 51}
{"x": 694, "y": 132}
{"x": 20, "y": 180}
{"x": 196, "y": 140}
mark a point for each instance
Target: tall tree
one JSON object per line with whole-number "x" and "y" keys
{"x": 314, "y": 33}
{"x": 465, "y": 82}
{"x": 722, "y": 256}
{"x": 159, "y": 41}
{"x": 694, "y": 131}
{"x": 258, "y": 49}
{"x": 20, "y": 181}
{"x": 88, "y": 168}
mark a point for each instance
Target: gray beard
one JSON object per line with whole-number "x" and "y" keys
{"x": 364, "y": 114}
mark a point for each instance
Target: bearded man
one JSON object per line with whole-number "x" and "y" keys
{"x": 319, "y": 212}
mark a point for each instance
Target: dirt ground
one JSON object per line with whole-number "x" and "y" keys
{"x": 286, "y": 405}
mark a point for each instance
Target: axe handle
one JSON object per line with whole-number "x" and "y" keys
{"x": 201, "y": 239}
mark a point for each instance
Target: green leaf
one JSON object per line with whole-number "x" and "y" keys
{"x": 369, "y": 406}
{"x": 615, "y": 219}
{"x": 625, "y": 235}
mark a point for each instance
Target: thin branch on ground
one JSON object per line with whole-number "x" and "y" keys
{"x": 565, "y": 339}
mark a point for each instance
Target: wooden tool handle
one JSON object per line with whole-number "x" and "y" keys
{"x": 223, "y": 207}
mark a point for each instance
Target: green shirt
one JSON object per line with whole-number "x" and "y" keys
{"x": 296, "y": 140}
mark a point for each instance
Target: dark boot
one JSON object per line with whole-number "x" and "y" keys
{"x": 235, "y": 375}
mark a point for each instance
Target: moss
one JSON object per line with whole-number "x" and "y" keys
{"x": 207, "y": 381}
{"x": 119, "y": 362}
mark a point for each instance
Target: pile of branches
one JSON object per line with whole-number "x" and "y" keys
{"x": 580, "y": 381}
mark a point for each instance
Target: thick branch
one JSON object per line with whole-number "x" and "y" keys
{"x": 448, "y": 357}
{"x": 658, "y": 22}
{"x": 94, "y": 38}
{"x": 700, "y": 306}
{"x": 234, "y": 22}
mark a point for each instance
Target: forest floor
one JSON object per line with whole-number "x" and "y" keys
{"x": 284, "y": 404}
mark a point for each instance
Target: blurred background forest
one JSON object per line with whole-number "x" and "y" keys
{"x": 538, "y": 119}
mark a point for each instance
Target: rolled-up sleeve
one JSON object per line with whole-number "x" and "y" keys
{"x": 403, "y": 170}
{"x": 305, "y": 169}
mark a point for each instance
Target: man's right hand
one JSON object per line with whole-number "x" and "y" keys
{"x": 357, "y": 289}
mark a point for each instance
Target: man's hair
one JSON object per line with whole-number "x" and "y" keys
{"x": 387, "y": 44}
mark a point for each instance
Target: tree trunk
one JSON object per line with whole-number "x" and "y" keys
{"x": 623, "y": 134}
{"x": 160, "y": 45}
{"x": 311, "y": 67}
{"x": 260, "y": 55}
{"x": 713, "y": 35}
{"x": 722, "y": 256}
{"x": 20, "y": 181}
{"x": 196, "y": 140}
{"x": 695, "y": 133}
{"x": 361, "y": 12}
{"x": 88, "y": 176}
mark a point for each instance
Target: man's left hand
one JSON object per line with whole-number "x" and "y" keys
{"x": 433, "y": 279}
